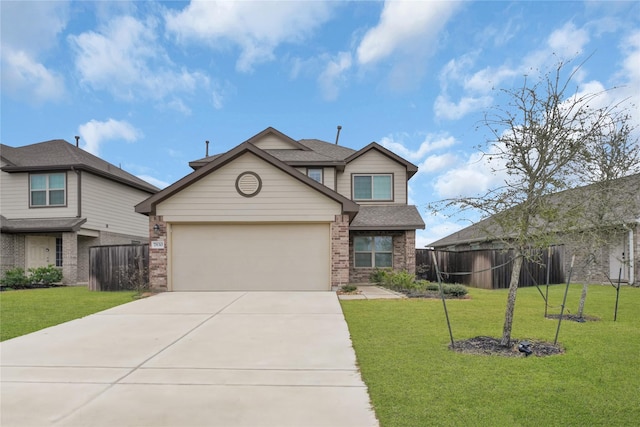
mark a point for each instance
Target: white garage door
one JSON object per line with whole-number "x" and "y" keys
{"x": 250, "y": 257}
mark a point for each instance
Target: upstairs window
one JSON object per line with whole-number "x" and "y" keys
{"x": 315, "y": 174}
{"x": 373, "y": 251}
{"x": 372, "y": 187}
{"x": 47, "y": 189}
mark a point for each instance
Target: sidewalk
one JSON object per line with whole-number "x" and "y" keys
{"x": 372, "y": 292}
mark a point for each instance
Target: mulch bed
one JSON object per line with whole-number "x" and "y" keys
{"x": 489, "y": 346}
{"x": 574, "y": 318}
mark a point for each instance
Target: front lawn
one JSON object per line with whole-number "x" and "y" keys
{"x": 415, "y": 380}
{"x": 25, "y": 311}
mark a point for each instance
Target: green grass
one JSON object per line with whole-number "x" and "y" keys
{"x": 415, "y": 380}
{"x": 26, "y": 311}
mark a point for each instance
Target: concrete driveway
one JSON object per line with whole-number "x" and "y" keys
{"x": 190, "y": 359}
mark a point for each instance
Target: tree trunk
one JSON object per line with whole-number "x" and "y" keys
{"x": 511, "y": 300}
{"x": 583, "y": 298}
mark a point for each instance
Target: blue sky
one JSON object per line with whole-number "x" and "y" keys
{"x": 146, "y": 83}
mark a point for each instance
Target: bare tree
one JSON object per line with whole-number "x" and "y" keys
{"x": 536, "y": 140}
{"x": 608, "y": 202}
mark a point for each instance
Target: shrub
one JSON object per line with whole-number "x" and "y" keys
{"x": 403, "y": 280}
{"x": 349, "y": 288}
{"x": 45, "y": 275}
{"x": 454, "y": 290}
{"x": 14, "y": 278}
{"x": 379, "y": 275}
{"x": 433, "y": 287}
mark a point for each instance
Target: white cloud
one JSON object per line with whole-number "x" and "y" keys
{"x": 437, "y": 162}
{"x": 568, "y": 41}
{"x": 475, "y": 177}
{"x": 221, "y": 91}
{"x": 28, "y": 31}
{"x": 33, "y": 26}
{"x": 154, "y": 181}
{"x": 23, "y": 75}
{"x": 430, "y": 143}
{"x": 437, "y": 226}
{"x": 94, "y": 133}
{"x": 446, "y": 109}
{"x": 125, "y": 58}
{"x": 332, "y": 78}
{"x": 474, "y": 88}
{"x": 406, "y": 27}
{"x": 257, "y": 28}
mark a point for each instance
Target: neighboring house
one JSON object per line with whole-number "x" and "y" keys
{"x": 57, "y": 200}
{"x": 618, "y": 240}
{"x": 274, "y": 213}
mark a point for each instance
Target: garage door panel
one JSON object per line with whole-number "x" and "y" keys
{"x": 251, "y": 257}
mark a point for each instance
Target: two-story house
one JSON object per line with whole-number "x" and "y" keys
{"x": 57, "y": 200}
{"x": 274, "y": 213}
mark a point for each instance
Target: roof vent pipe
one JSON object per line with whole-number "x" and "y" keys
{"x": 206, "y": 153}
{"x": 77, "y": 141}
{"x": 338, "y": 134}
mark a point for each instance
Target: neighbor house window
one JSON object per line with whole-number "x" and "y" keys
{"x": 372, "y": 187}
{"x": 58, "y": 251}
{"x": 315, "y": 174}
{"x": 47, "y": 189}
{"x": 373, "y": 251}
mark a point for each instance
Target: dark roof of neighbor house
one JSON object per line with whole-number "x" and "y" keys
{"x": 59, "y": 154}
{"x": 40, "y": 225}
{"x": 626, "y": 211}
{"x": 387, "y": 217}
{"x": 148, "y": 206}
{"x": 314, "y": 152}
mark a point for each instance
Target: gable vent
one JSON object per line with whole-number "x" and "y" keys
{"x": 248, "y": 184}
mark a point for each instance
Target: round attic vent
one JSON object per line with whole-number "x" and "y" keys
{"x": 248, "y": 184}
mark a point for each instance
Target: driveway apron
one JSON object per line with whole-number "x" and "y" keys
{"x": 190, "y": 359}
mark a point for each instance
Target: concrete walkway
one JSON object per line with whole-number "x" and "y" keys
{"x": 190, "y": 359}
{"x": 372, "y": 292}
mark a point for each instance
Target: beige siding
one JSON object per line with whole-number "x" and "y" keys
{"x": 14, "y": 198}
{"x": 282, "y": 197}
{"x": 109, "y": 206}
{"x": 375, "y": 162}
{"x": 330, "y": 178}
{"x": 272, "y": 142}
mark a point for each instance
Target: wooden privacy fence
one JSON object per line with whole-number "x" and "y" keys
{"x": 118, "y": 267}
{"x": 489, "y": 268}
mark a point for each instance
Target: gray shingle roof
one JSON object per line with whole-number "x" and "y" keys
{"x": 625, "y": 210}
{"x": 387, "y": 217}
{"x": 58, "y": 154}
{"x": 40, "y": 225}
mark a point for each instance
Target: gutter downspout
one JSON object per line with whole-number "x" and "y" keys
{"x": 632, "y": 267}
{"x": 79, "y": 185}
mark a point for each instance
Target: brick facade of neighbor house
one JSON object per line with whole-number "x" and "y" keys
{"x": 158, "y": 257}
{"x": 70, "y": 258}
{"x": 404, "y": 254}
{"x": 340, "y": 251}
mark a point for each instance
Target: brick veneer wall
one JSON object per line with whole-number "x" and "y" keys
{"x": 404, "y": 253}
{"x": 70, "y": 258}
{"x": 340, "y": 251}
{"x": 158, "y": 257}
{"x": 12, "y": 252}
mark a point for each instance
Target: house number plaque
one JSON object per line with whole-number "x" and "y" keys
{"x": 157, "y": 244}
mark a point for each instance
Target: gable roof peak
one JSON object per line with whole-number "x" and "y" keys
{"x": 273, "y": 131}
